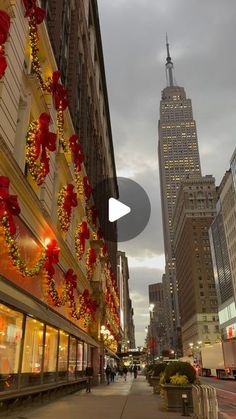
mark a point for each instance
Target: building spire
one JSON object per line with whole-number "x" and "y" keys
{"x": 169, "y": 65}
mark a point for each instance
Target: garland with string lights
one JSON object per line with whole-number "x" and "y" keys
{"x": 39, "y": 142}
{"x": 81, "y": 235}
{"x": 67, "y": 199}
{"x": 91, "y": 260}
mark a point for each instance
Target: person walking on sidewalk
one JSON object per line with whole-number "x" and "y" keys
{"x": 108, "y": 373}
{"x": 125, "y": 370}
{"x": 135, "y": 369}
{"x": 89, "y": 375}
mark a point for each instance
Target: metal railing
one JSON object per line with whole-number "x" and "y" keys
{"x": 205, "y": 405}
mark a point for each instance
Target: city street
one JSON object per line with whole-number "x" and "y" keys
{"x": 226, "y": 393}
{"x": 131, "y": 399}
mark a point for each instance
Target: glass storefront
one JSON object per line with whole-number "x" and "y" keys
{"x": 10, "y": 345}
{"x": 34, "y": 353}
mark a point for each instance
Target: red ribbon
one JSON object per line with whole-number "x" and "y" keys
{"x": 3, "y": 62}
{"x": 44, "y": 140}
{"x": 84, "y": 234}
{"x": 8, "y": 203}
{"x": 92, "y": 257}
{"x": 59, "y": 92}
{"x": 4, "y": 26}
{"x": 32, "y": 10}
{"x": 52, "y": 254}
{"x": 78, "y": 156}
{"x": 71, "y": 278}
{"x": 87, "y": 187}
{"x": 70, "y": 199}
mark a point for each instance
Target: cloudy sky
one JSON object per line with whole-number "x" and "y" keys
{"x": 202, "y": 44}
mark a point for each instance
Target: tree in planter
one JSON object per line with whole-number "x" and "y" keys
{"x": 158, "y": 369}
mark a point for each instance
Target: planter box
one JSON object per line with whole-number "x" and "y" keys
{"x": 173, "y": 397}
{"x": 156, "y": 385}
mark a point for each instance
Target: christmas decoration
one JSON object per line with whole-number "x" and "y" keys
{"x": 90, "y": 262}
{"x": 32, "y": 10}
{"x": 8, "y": 208}
{"x": 52, "y": 257}
{"x": 66, "y": 200}
{"x": 39, "y": 142}
{"x": 60, "y": 102}
{"x": 82, "y": 234}
{"x": 4, "y": 30}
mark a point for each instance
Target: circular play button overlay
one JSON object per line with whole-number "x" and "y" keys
{"x": 131, "y": 210}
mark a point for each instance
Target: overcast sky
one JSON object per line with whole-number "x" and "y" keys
{"x": 202, "y": 37}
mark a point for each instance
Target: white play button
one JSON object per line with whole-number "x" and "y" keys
{"x": 117, "y": 210}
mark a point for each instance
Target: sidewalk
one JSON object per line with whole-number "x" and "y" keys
{"x": 132, "y": 399}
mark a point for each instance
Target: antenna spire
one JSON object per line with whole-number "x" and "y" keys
{"x": 169, "y": 65}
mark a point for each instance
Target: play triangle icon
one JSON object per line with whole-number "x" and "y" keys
{"x": 117, "y": 209}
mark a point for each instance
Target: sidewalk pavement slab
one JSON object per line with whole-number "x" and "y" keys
{"x": 131, "y": 399}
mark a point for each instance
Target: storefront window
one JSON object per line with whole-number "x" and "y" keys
{"x": 89, "y": 356}
{"x": 10, "y": 343}
{"x": 33, "y": 352}
{"x": 79, "y": 364}
{"x": 85, "y": 356}
{"x": 72, "y": 358}
{"x": 63, "y": 355}
{"x": 50, "y": 354}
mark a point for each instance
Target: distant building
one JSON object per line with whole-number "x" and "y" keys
{"x": 157, "y": 321}
{"x": 126, "y": 310}
{"x": 178, "y": 157}
{"x": 222, "y": 240}
{"x": 194, "y": 213}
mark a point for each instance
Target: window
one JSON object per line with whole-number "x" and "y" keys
{"x": 72, "y": 358}
{"x": 50, "y": 354}
{"x": 10, "y": 343}
{"x": 85, "y": 355}
{"x": 79, "y": 363}
{"x": 63, "y": 354}
{"x": 33, "y": 352}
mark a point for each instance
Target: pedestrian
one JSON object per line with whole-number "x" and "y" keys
{"x": 89, "y": 375}
{"x": 108, "y": 374}
{"x": 135, "y": 371}
{"x": 113, "y": 374}
{"x": 125, "y": 370}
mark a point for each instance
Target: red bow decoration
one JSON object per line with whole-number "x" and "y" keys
{"x": 85, "y": 294}
{"x": 71, "y": 278}
{"x": 84, "y": 234}
{"x": 87, "y": 187}
{"x": 59, "y": 92}
{"x": 45, "y": 140}
{"x": 4, "y": 26}
{"x": 52, "y": 254}
{"x": 92, "y": 257}
{"x": 4, "y": 30}
{"x": 78, "y": 156}
{"x": 8, "y": 203}
{"x": 70, "y": 199}
{"x": 32, "y": 10}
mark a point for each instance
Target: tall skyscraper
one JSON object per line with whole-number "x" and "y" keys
{"x": 178, "y": 157}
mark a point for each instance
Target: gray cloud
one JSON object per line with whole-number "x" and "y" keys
{"x": 202, "y": 38}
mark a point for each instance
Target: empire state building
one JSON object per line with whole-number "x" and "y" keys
{"x": 178, "y": 158}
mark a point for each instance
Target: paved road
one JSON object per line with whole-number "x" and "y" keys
{"x": 133, "y": 399}
{"x": 226, "y": 394}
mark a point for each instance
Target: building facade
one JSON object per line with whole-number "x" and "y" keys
{"x": 178, "y": 157}
{"x": 126, "y": 310}
{"x": 57, "y": 288}
{"x": 157, "y": 321}
{"x": 194, "y": 213}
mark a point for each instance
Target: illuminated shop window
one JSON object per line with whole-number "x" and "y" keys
{"x": 63, "y": 354}
{"x": 33, "y": 346}
{"x": 72, "y": 358}
{"x": 50, "y": 350}
{"x": 85, "y": 360}
{"x": 10, "y": 343}
{"x": 79, "y": 366}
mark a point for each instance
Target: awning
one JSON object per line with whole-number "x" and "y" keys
{"x": 23, "y": 301}
{"x": 111, "y": 353}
